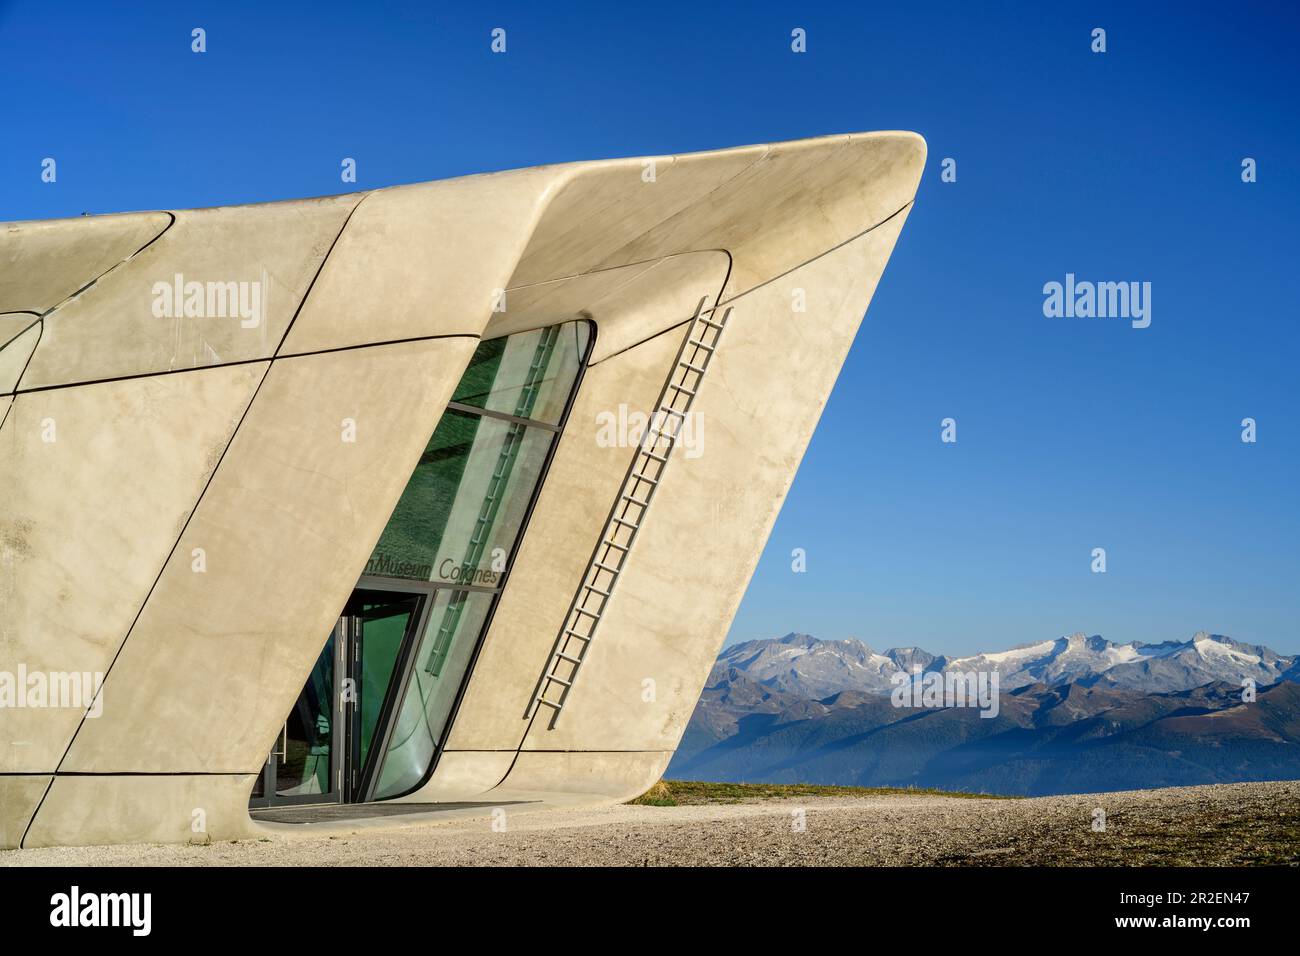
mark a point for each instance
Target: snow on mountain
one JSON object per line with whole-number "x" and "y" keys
{"x": 803, "y": 665}
{"x": 1206, "y": 657}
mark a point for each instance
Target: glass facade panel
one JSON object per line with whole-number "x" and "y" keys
{"x": 529, "y": 375}
{"x": 461, "y": 511}
{"x": 381, "y": 628}
{"x": 457, "y": 523}
{"x": 441, "y": 658}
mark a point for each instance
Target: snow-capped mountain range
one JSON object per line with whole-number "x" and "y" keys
{"x": 803, "y": 665}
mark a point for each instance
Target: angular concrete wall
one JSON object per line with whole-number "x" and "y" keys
{"x": 198, "y": 520}
{"x": 81, "y": 553}
{"x": 44, "y": 263}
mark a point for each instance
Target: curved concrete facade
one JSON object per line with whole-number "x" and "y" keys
{"x": 180, "y": 517}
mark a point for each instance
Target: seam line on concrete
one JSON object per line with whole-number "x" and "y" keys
{"x": 156, "y": 773}
{"x": 652, "y": 261}
{"x": 36, "y": 317}
{"x": 319, "y": 269}
{"x": 839, "y": 245}
{"x": 35, "y": 810}
{"x": 739, "y": 295}
{"x": 726, "y": 277}
{"x": 40, "y": 332}
{"x": 250, "y": 361}
{"x": 171, "y": 221}
{"x": 758, "y": 160}
{"x": 599, "y": 165}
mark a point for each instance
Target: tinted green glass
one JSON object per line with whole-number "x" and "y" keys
{"x": 529, "y": 375}
{"x": 440, "y": 662}
{"x": 383, "y": 626}
{"x": 461, "y": 511}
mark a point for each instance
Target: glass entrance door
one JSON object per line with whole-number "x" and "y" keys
{"x": 329, "y": 746}
{"x": 382, "y": 628}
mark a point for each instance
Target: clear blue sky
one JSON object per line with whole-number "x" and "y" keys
{"x": 1072, "y": 433}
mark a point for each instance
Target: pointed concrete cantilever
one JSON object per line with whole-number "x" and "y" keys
{"x": 131, "y": 439}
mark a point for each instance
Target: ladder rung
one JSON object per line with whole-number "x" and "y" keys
{"x": 683, "y": 389}
{"x": 593, "y": 588}
{"x": 568, "y": 657}
{"x": 594, "y": 615}
{"x": 569, "y": 632}
{"x": 549, "y": 703}
{"x": 637, "y": 476}
{"x": 702, "y": 345}
{"x": 659, "y": 458}
{"x": 615, "y": 544}
{"x": 673, "y": 435}
{"x": 710, "y": 322}
{"x": 694, "y": 368}
{"x": 606, "y": 567}
{"x": 626, "y": 524}
{"x": 559, "y": 680}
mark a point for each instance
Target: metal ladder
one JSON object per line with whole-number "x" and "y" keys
{"x": 629, "y": 512}
{"x": 488, "y": 510}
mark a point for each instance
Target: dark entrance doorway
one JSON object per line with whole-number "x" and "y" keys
{"x": 330, "y": 746}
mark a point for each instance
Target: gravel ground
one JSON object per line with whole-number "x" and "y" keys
{"x": 1233, "y": 824}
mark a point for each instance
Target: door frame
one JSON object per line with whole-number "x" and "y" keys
{"x": 270, "y": 795}
{"x": 352, "y": 780}
{"x": 360, "y": 778}
{"x": 403, "y": 669}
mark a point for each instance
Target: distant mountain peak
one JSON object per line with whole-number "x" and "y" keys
{"x": 794, "y": 637}
{"x": 815, "y": 669}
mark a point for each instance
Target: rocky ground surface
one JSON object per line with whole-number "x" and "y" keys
{"x": 1235, "y": 824}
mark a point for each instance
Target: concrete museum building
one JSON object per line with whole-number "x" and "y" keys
{"x": 439, "y": 494}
